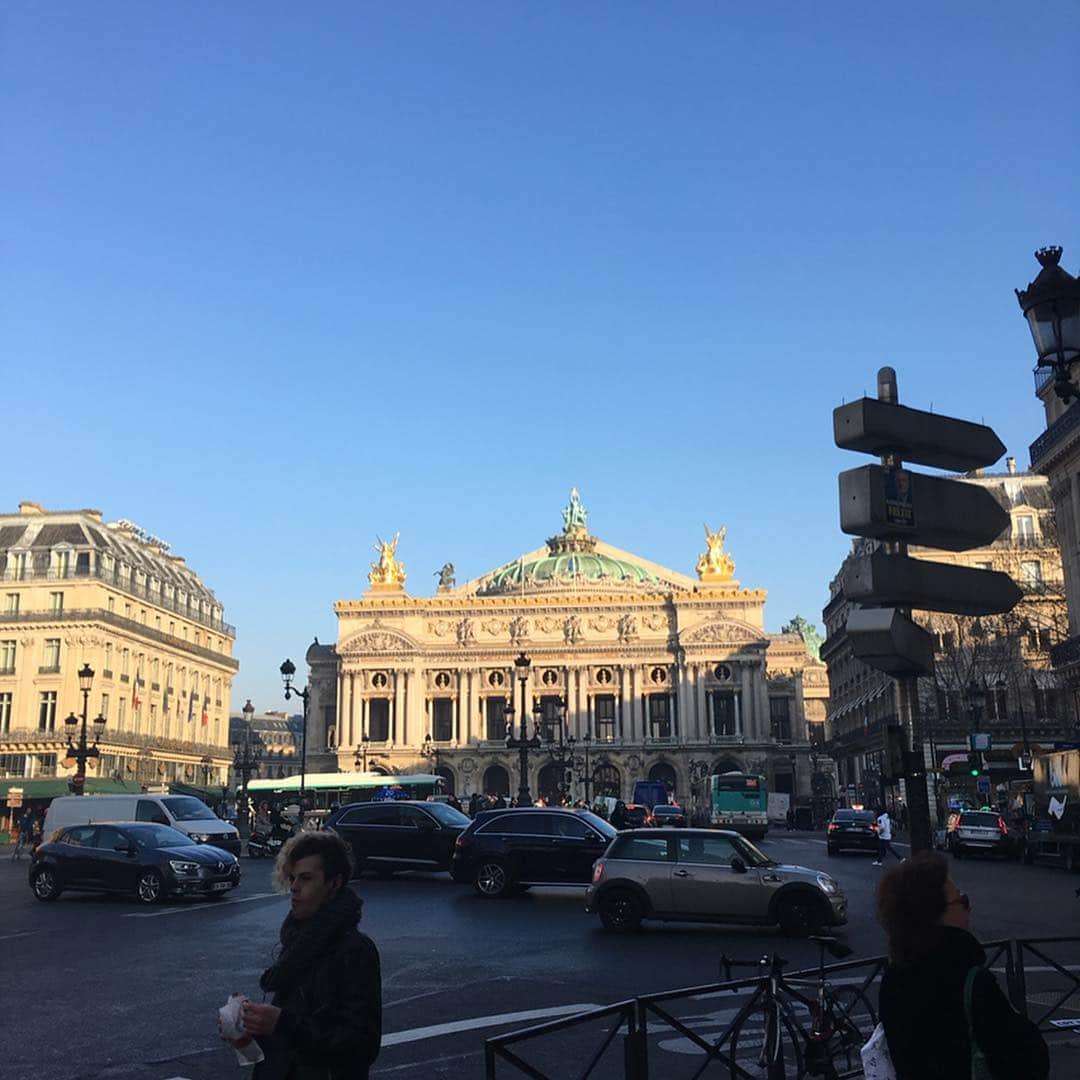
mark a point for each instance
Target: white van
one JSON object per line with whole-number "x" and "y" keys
{"x": 183, "y": 812}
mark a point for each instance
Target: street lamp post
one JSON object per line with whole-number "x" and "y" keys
{"x": 700, "y": 769}
{"x": 81, "y": 753}
{"x": 430, "y": 752}
{"x": 246, "y": 759}
{"x": 360, "y": 760}
{"x": 523, "y": 744}
{"x": 288, "y": 670}
{"x": 1051, "y": 305}
{"x": 584, "y": 778}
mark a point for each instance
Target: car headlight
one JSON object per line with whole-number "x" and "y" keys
{"x": 827, "y": 885}
{"x": 200, "y": 837}
{"x": 181, "y": 868}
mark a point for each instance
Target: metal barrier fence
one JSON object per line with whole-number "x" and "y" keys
{"x": 651, "y": 1015}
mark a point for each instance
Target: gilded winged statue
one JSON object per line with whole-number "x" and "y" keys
{"x": 715, "y": 562}
{"x": 388, "y": 570}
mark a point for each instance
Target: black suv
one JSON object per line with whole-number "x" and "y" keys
{"x": 399, "y": 835}
{"x": 503, "y": 851}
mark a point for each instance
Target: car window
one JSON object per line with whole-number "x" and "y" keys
{"x": 517, "y": 824}
{"x": 604, "y": 828}
{"x": 643, "y": 848}
{"x": 188, "y": 808}
{"x": 980, "y": 820}
{"x": 853, "y": 815}
{"x": 148, "y": 810}
{"x": 413, "y": 818}
{"x": 383, "y": 813}
{"x": 568, "y": 825}
{"x": 159, "y": 836}
{"x": 81, "y": 836}
{"x": 110, "y": 838}
{"x": 447, "y": 815}
{"x": 707, "y": 850}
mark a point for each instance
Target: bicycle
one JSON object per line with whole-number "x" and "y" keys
{"x": 768, "y": 1027}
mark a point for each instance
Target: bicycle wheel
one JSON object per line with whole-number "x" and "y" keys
{"x": 753, "y": 1054}
{"x": 854, "y": 1019}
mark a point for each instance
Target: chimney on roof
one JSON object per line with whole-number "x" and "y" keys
{"x": 1010, "y": 464}
{"x": 31, "y": 508}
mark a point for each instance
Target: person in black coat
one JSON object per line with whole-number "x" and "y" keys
{"x": 325, "y": 1017}
{"x": 921, "y": 1003}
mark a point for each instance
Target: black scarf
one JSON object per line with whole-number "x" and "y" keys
{"x": 304, "y": 941}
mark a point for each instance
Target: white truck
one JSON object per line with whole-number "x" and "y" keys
{"x": 1054, "y": 834}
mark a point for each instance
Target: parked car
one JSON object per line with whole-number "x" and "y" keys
{"x": 852, "y": 830}
{"x": 399, "y": 834}
{"x": 708, "y": 875}
{"x": 669, "y": 814}
{"x": 504, "y": 851}
{"x": 982, "y": 831}
{"x": 146, "y": 861}
{"x": 185, "y": 813}
{"x": 636, "y": 817}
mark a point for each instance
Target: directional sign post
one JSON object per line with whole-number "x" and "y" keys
{"x": 897, "y": 507}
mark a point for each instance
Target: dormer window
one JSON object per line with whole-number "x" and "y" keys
{"x": 61, "y": 563}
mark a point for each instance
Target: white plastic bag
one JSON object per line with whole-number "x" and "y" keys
{"x": 231, "y": 1028}
{"x": 876, "y": 1062}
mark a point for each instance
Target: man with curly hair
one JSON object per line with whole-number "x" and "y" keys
{"x": 324, "y": 1018}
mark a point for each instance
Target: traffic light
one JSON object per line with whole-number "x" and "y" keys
{"x": 892, "y": 762}
{"x": 975, "y": 764}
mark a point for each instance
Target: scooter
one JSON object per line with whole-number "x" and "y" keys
{"x": 266, "y": 845}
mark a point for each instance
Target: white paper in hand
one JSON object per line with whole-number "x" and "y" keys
{"x": 250, "y": 1053}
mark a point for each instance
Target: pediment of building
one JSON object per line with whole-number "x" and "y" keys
{"x": 722, "y": 632}
{"x": 377, "y": 641}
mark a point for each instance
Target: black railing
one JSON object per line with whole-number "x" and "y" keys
{"x": 1064, "y": 425}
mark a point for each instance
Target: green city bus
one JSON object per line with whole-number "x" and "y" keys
{"x": 740, "y": 801}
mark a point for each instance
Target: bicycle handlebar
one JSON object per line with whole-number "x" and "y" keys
{"x": 774, "y": 962}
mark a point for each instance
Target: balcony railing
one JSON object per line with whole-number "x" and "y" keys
{"x": 1067, "y": 423}
{"x": 101, "y": 615}
{"x": 49, "y": 669}
{"x": 124, "y": 583}
{"x": 1043, "y": 377}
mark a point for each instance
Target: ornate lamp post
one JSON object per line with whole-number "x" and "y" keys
{"x": 1051, "y": 305}
{"x": 360, "y": 760}
{"x": 246, "y": 759}
{"x": 288, "y": 670}
{"x": 579, "y": 763}
{"x": 81, "y": 753}
{"x": 523, "y": 744}
{"x": 700, "y": 770}
{"x": 430, "y": 752}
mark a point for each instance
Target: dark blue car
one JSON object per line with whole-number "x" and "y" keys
{"x": 143, "y": 860}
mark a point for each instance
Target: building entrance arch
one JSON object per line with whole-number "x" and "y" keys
{"x": 726, "y": 765}
{"x": 549, "y": 783}
{"x": 607, "y": 781}
{"x": 447, "y": 775}
{"x": 665, "y": 773}
{"x": 496, "y": 781}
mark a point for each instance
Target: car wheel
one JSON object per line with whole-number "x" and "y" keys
{"x": 799, "y": 916}
{"x": 492, "y": 879}
{"x": 45, "y": 885}
{"x": 150, "y": 887}
{"x": 620, "y": 910}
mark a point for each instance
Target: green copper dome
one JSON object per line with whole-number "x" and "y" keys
{"x": 568, "y": 568}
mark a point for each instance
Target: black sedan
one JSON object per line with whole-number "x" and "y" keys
{"x": 143, "y": 860}
{"x": 852, "y": 830}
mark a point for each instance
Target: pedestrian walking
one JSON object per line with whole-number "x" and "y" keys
{"x": 618, "y": 815}
{"x": 884, "y": 825}
{"x": 25, "y": 830}
{"x": 325, "y": 1016}
{"x": 941, "y": 1007}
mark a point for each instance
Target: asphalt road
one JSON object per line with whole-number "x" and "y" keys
{"x": 101, "y": 988}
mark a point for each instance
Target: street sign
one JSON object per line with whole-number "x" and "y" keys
{"x": 980, "y": 742}
{"x": 885, "y": 639}
{"x": 900, "y": 581}
{"x": 14, "y": 797}
{"x": 940, "y": 512}
{"x": 982, "y": 785}
{"x": 872, "y": 426}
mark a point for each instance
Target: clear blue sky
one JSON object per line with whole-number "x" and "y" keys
{"x": 279, "y": 277}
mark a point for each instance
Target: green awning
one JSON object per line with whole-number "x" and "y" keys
{"x": 51, "y": 787}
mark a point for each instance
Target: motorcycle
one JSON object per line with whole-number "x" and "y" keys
{"x": 266, "y": 843}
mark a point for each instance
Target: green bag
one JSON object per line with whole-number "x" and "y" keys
{"x": 979, "y": 1069}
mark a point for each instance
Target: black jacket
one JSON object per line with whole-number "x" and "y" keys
{"x": 331, "y": 1021}
{"x": 922, "y": 1008}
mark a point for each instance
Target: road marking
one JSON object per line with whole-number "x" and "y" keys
{"x": 20, "y": 933}
{"x": 396, "y": 1038}
{"x": 198, "y": 907}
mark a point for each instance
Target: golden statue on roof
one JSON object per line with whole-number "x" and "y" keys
{"x": 715, "y": 564}
{"x": 389, "y": 571}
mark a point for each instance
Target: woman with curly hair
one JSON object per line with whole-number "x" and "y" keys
{"x": 937, "y": 984}
{"x": 325, "y": 1016}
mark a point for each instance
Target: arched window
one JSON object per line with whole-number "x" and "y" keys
{"x": 447, "y": 779}
{"x": 496, "y": 781}
{"x": 665, "y": 773}
{"x": 607, "y": 781}
{"x": 550, "y": 783}
{"x": 726, "y": 765}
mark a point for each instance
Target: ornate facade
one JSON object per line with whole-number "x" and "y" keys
{"x": 78, "y": 591}
{"x": 660, "y": 674}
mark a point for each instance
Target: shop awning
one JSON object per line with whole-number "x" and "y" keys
{"x": 50, "y": 787}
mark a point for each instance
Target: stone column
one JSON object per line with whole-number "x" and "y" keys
{"x": 470, "y": 709}
{"x": 764, "y": 730}
{"x": 406, "y": 696}
{"x": 701, "y": 711}
{"x": 626, "y": 703}
{"x": 353, "y": 733}
{"x": 687, "y": 731}
{"x": 341, "y": 734}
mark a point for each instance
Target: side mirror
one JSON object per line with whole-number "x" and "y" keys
{"x": 737, "y": 864}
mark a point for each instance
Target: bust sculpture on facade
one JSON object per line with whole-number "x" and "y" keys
{"x": 715, "y": 564}
{"x": 389, "y": 571}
